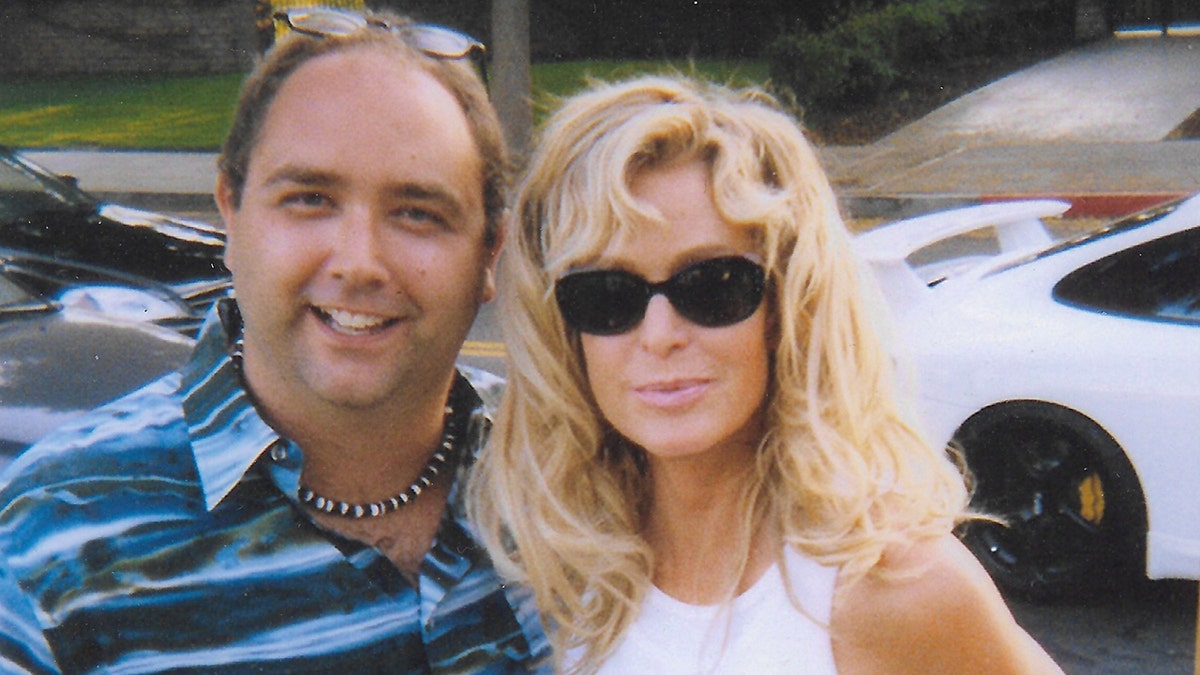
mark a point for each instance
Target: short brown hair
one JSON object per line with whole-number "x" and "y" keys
{"x": 294, "y": 50}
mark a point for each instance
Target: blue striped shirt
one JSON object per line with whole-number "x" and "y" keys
{"x": 162, "y": 533}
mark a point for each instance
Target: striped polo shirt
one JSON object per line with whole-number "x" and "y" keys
{"x": 162, "y": 533}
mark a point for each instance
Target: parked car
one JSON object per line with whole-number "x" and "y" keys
{"x": 49, "y": 214}
{"x": 1068, "y": 372}
{"x": 58, "y": 361}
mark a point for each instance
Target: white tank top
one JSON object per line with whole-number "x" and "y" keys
{"x": 760, "y": 632}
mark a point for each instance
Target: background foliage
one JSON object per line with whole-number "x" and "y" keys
{"x": 822, "y": 52}
{"x": 573, "y": 29}
{"x": 860, "y": 57}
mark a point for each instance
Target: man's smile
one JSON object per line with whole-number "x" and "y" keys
{"x": 353, "y": 323}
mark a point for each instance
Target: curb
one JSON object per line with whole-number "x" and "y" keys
{"x": 1102, "y": 205}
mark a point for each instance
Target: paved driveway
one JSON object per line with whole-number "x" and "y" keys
{"x": 1116, "y": 90}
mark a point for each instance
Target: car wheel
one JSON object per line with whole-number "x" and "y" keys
{"x": 1072, "y": 515}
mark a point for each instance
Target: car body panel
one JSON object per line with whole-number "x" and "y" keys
{"x": 991, "y": 331}
{"x": 56, "y": 364}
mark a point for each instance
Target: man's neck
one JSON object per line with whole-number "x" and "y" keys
{"x": 361, "y": 454}
{"x": 365, "y": 459}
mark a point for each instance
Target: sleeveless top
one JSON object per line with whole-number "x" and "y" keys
{"x": 761, "y": 631}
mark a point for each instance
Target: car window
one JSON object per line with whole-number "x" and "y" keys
{"x": 22, "y": 194}
{"x": 1158, "y": 280}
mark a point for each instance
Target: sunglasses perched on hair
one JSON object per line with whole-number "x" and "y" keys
{"x": 711, "y": 293}
{"x": 430, "y": 39}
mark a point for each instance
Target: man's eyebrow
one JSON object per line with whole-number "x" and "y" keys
{"x": 429, "y": 193}
{"x": 301, "y": 176}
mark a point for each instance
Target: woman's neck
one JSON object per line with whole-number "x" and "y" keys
{"x": 697, "y": 527}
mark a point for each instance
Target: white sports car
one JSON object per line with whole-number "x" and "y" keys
{"x": 1069, "y": 373}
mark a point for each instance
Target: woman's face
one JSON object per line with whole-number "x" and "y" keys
{"x": 675, "y": 388}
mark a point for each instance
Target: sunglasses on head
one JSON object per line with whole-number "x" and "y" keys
{"x": 711, "y": 293}
{"x": 430, "y": 39}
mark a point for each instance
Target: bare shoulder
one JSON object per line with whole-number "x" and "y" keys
{"x": 930, "y": 608}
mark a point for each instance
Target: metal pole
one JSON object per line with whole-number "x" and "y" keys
{"x": 511, "y": 81}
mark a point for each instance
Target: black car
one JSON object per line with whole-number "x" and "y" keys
{"x": 58, "y": 361}
{"x": 49, "y": 214}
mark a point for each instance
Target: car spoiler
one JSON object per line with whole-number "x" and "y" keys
{"x": 1018, "y": 224}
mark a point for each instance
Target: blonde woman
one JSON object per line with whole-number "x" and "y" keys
{"x": 701, "y": 463}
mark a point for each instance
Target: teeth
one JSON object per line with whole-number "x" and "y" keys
{"x": 351, "y": 322}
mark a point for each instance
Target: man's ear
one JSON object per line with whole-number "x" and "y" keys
{"x": 223, "y": 193}
{"x": 489, "y": 271}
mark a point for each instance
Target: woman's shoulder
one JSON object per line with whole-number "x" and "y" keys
{"x": 929, "y": 606}
{"x": 919, "y": 580}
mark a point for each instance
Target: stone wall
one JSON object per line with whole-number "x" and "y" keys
{"x": 40, "y": 38}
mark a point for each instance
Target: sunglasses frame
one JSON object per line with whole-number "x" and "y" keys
{"x": 749, "y": 270}
{"x": 333, "y": 22}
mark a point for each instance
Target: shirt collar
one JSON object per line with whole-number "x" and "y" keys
{"x": 226, "y": 431}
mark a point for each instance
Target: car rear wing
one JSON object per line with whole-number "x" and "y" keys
{"x": 1019, "y": 229}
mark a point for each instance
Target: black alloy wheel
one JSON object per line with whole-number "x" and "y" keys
{"x": 1072, "y": 512}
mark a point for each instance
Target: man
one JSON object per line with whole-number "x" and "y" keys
{"x": 288, "y": 502}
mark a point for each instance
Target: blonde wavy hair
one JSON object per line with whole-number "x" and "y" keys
{"x": 841, "y": 473}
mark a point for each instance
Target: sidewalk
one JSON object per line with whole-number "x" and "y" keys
{"x": 1099, "y": 179}
{"x": 160, "y": 181}
{"x": 1085, "y": 126}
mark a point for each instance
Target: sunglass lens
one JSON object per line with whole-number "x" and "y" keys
{"x": 601, "y": 302}
{"x": 717, "y": 292}
{"x": 324, "y": 21}
{"x": 439, "y": 40}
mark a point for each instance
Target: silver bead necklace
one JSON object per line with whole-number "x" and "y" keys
{"x": 383, "y": 507}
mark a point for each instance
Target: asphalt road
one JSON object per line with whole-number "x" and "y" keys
{"x": 1148, "y": 628}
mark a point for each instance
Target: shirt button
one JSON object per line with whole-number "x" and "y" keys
{"x": 279, "y": 452}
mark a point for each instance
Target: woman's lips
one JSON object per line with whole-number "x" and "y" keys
{"x": 672, "y": 393}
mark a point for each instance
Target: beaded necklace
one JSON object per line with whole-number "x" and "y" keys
{"x": 424, "y": 481}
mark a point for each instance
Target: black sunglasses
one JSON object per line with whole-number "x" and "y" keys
{"x": 711, "y": 293}
{"x": 430, "y": 39}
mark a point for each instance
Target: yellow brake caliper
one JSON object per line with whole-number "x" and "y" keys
{"x": 1091, "y": 499}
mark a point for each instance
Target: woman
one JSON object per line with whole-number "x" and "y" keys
{"x": 701, "y": 463}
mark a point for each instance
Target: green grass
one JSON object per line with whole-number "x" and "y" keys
{"x": 183, "y": 113}
{"x": 193, "y": 113}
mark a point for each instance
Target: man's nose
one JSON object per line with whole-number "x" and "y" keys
{"x": 355, "y": 252}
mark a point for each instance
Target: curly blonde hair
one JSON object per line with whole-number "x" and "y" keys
{"x": 841, "y": 472}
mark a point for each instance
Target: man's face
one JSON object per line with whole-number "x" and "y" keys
{"x": 358, "y": 248}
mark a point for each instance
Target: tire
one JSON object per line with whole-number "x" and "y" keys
{"x": 1074, "y": 519}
